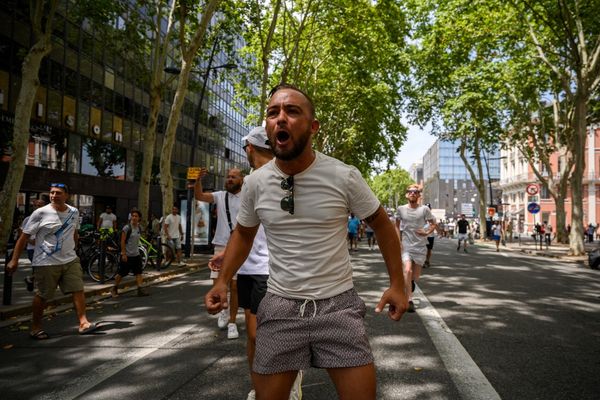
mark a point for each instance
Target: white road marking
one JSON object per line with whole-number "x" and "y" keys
{"x": 86, "y": 381}
{"x": 468, "y": 378}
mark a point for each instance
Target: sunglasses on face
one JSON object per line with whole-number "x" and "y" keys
{"x": 287, "y": 203}
{"x": 244, "y": 146}
{"x": 413, "y": 191}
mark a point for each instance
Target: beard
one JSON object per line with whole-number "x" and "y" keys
{"x": 233, "y": 188}
{"x": 295, "y": 151}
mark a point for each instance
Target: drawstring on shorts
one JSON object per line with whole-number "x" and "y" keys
{"x": 303, "y": 307}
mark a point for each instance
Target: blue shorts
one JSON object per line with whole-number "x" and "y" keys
{"x": 496, "y": 238}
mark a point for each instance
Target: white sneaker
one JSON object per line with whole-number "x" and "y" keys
{"x": 296, "y": 393}
{"x": 223, "y": 319}
{"x": 251, "y": 395}
{"x": 232, "y": 332}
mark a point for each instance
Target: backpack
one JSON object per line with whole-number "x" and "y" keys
{"x": 128, "y": 233}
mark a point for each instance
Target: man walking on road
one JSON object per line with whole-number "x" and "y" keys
{"x": 410, "y": 219}
{"x": 228, "y": 204}
{"x": 55, "y": 261}
{"x": 174, "y": 231}
{"x": 463, "y": 232}
{"x": 302, "y": 198}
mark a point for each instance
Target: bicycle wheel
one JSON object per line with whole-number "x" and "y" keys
{"x": 144, "y": 256}
{"x": 168, "y": 255}
{"x": 111, "y": 264}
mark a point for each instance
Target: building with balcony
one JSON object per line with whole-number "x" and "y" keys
{"x": 447, "y": 183}
{"x": 516, "y": 174}
{"x": 91, "y": 112}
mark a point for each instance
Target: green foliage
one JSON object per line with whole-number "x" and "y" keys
{"x": 352, "y": 74}
{"x": 390, "y": 186}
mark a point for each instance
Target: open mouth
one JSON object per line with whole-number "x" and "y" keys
{"x": 282, "y": 137}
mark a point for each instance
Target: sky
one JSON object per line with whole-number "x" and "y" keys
{"x": 417, "y": 143}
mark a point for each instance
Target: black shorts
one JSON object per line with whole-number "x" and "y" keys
{"x": 133, "y": 264}
{"x": 251, "y": 290}
{"x": 430, "y": 243}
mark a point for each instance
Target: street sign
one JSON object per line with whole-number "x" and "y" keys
{"x": 193, "y": 173}
{"x": 532, "y": 189}
{"x": 533, "y": 208}
{"x": 467, "y": 209}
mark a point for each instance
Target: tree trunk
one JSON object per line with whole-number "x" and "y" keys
{"x": 189, "y": 52}
{"x": 16, "y": 169}
{"x": 159, "y": 54}
{"x": 478, "y": 181}
{"x": 166, "y": 177}
{"x": 148, "y": 152}
{"x": 576, "y": 246}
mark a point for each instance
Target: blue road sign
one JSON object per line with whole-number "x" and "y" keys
{"x": 533, "y": 208}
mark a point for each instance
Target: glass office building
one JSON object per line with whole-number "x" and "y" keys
{"x": 448, "y": 184}
{"x": 90, "y": 114}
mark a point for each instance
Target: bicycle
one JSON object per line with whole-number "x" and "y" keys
{"x": 91, "y": 255}
{"x": 159, "y": 256}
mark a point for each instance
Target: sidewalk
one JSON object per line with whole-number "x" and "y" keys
{"x": 555, "y": 250}
{"x": 20, "y": 305}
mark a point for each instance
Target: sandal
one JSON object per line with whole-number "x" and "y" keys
{"x": 39, "y": 335}
{"x": 91, "y": 328}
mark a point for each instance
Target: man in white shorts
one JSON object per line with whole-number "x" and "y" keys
{"x": 410, "y": 219}
{"x": 462, "y": 225}
{"x": 228, "y": 204}
{"x": 302, "y": 199}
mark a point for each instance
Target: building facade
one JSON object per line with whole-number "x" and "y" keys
{"x": 447, "y": 183}
{"x": 517, "y": 174}
{"x": 90, "y": 115}
{"x": 416, "y": 173}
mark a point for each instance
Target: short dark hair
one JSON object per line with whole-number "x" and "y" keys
{"x": 136, "y": 211}
{"x": 284, "y": 85}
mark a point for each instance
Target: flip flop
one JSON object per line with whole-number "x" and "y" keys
{"x": 39, "y": 335}
{"x": 91, "y": 328}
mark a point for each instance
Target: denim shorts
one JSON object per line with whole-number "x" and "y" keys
{"x": 297, "y": 334}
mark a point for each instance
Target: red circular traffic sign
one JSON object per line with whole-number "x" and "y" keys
{"x": 532, "y": 189}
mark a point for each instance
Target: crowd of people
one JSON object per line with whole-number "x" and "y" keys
{"x": 282, "y": 253}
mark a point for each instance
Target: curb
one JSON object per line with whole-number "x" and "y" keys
{"x": 565, "y": 257}
{"x": 21, "y": 314}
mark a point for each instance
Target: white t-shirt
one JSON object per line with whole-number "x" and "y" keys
{"x": 54, "y": 235}
{"x": 222, "y": 232}
{"x": 31, "y": 237}
{"x": 308, "y": 252}
{"x": 173, "y": 221}
{"x": 257, "y": 262}
{"x": 412, "y": 219}
{"x": 107, "y": 220}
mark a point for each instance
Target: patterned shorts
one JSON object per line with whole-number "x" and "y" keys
{"x": 297, "y": 334}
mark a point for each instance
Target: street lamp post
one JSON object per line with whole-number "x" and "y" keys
{"x": 190, "y": 190}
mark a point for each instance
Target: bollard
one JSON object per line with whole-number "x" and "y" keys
{"x": 8, "y": 279}
{"x": 101, "y": 260}
{"x": 160, "y": 254}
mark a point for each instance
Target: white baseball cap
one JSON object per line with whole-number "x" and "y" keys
{"x": 258, "y": 137}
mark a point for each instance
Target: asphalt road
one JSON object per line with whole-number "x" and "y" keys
{"x": 518, "y": 326}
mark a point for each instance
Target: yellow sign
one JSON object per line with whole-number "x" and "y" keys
{"x": 193, "y": 173}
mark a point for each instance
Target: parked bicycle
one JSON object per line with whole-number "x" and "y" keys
{"x": 91, "y": 254}
{"x": 159, "y": 254}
